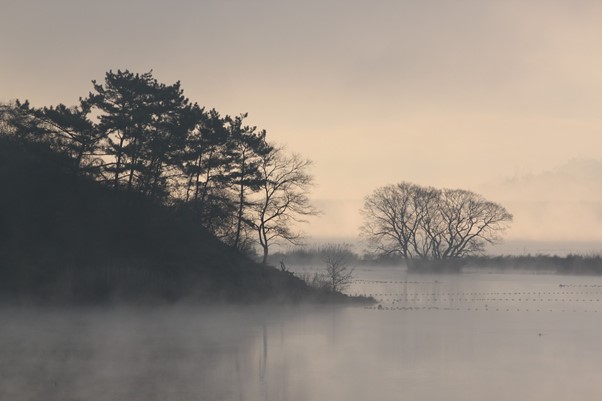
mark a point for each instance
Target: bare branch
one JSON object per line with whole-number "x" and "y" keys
{"x": 283, "y": 198}
{"x": 423, "y": 222}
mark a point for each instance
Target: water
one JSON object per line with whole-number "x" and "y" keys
{"x": 440, "y": 337}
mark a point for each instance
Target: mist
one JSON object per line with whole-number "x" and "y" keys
{"x": 557, "y": 211}
{"x": 436, "y": 337}
{"x": 148, "y": 222}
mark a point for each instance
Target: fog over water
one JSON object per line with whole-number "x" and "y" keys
{"x": 497, "y": 97}
{"x": 473, "y": 336}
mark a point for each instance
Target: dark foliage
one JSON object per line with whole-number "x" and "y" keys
{"x": 135, "y": 133}
{"x": 67, "y": 238}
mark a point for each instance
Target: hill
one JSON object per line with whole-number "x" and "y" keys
{"x": 67, "y": 238}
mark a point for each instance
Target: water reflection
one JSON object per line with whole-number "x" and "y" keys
{"x": 467, "y": 352}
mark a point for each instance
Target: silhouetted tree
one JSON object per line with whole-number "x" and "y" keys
{"x": 135, "y": 133}
{"x": 67, "y": 130}
{"x": 17, "y": 120}
{"x": 338, "y": 275}
{"x": 283, "y": 198}
{"x": 468, "y": 223}
{"x": 205, "y": 166}
{"x": 415, "y": 221}
{"x": 146, "y": 124}
{"x": 246, "y": 149}
{"x": 204, "y": 162}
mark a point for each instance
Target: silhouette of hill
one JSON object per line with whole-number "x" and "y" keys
{"x": 67, "y": 238}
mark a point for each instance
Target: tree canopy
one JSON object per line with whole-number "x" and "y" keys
{"x": 428, "y": 223}
{"x": 133, "y": 133}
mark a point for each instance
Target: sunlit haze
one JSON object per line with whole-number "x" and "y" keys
{"x": 499, "y": 97}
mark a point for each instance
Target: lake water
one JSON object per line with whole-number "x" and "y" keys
{"x": 432, "y": 337}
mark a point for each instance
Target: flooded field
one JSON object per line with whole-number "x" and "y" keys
{"x": 431, "y": 337}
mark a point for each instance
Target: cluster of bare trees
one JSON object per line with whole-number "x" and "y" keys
{"x": 136, "y": 134}
{"x": 428, "y": 223}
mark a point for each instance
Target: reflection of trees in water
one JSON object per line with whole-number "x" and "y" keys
{"x": 138, "y": 355}
{"x": 239, "y": 380}
{"x": 263, "y": 362}
{"x": 168, "y": 355}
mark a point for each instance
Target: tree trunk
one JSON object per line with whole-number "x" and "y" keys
{"x": 265, "y": 255}
{"x": 239, "y": 222}
{"x": 241, "y": 202}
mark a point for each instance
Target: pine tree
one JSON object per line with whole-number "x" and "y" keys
{"x": 146, "y": 124}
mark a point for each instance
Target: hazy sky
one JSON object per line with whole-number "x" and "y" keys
{"x": 493, "y": 96}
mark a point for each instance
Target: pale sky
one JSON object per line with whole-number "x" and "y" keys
{"x": 492, "y": 96}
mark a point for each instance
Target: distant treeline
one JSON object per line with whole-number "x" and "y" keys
{"x": 136, "y": 134}
{"x": 316, "y": 256}
{"x": 570, "y": 264}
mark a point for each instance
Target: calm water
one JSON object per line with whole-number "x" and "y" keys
{"x": 458, "y": 337}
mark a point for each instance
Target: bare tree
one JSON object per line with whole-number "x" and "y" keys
{"x": 283, "y": 198}
{"x": 338, "y": 275}
{"x": 468, "y": 222}
{"x": 428, "y": 223}
{"x": 392, "y": 216}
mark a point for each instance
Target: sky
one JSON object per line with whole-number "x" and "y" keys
{"x": 499, "y": 97}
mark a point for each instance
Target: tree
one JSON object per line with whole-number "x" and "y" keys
{"x": 390, "y": 220}
{"x": 204, "y": 162}
{"x": 246, "y": 149}
{"x": 68, "y": 130}
{"x": 17, "y": 119}
{"x": 468, "y": 223}
{"x": 221, "y": 170}
{"x": 146, "y": 124}
{"x": 337, "y": 275}
{"x": 283, "y": 199}
{"x": 428, "y": 223}
{"x": 134, "y": 133}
